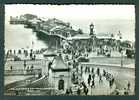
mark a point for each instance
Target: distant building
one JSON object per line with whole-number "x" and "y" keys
{"x": 55, "y": 26}
{"x": 28, "y": 16}
{"x": 105, "y": 39}
{"x": 80, "y": 40}
{"x": 17, "y": 20}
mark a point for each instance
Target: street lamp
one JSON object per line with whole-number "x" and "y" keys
{"x": 121, "y": 58}
{"x": 68, "y": 76}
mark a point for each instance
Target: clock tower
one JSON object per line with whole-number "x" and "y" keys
{"x": 91, "y": 29}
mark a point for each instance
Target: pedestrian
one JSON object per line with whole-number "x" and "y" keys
{"x": 117, "y": 93}
{"x": 7, "y": 53}
{"x": 93, "y": 84}
{"x": 32, "y": 68}
{"x": 93, "y": 76}
{"x": 10, "y": 52}
{"x": 26, "y": 53}
{"x": 16, "y": 92}
{"x": 81, "y": 73}
{"x": 100, "y": 79}
{"x": 125, "y": 92}
{"x": 86, "y": 90}
{"x": 83, "y": 84}
{"x": 112, "y": 81}
{"x": 73, "y": 76}
{"x": 128, "y": 86}
{"x": 104, "y": 73}
{"x": 74, "y": 66}
{"x": 70, "y": 90}
{"x": 31, "y": 55}
{"x": 98, "y": 71}
{"x": 67, "y": 92}
{"x": 11, "y": 67}
{"x": 14, "y": 52}
{"x": 24, "y": 64}
{"x": 78, "y": 91}
{"x": 27, "y": 69}
{"x": 40, "y": 75}
{"x": 92, "y": 70}
{"x": 19, "y": 51}
{"x": 89, "y": 81}
{"x": 107, "y": 76}
{"x": 34, "y": 57}
{"x": 89, "y": 76}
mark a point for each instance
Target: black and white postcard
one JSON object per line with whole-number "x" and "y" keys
{"x": 83, "y": 50}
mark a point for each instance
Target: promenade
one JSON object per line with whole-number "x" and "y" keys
{"x": 122, "y": 75}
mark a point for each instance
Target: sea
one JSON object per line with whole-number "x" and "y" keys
{"x": 18, "y": 37}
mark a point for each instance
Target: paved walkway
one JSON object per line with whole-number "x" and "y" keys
{"x": 101, "y": 88}
{"x": 122, "y": 77}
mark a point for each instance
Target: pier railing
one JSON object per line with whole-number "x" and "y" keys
{"x": 61, "y": 36}
{"x": 22, "y": 72}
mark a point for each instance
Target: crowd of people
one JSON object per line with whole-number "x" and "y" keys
{"x": 16, "y": 55}
{"x": 93, "y": 74}
{"x": 87, "y": 79}
{"x": 97, "y": 76}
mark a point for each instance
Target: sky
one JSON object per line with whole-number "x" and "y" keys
{"x": 106, "y": 18}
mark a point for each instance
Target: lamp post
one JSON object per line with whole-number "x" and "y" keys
{"x": 68, "y": 76}
{"x": 121, "y": 58}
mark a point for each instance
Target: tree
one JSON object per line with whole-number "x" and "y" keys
{"x": 80, "y": 31}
